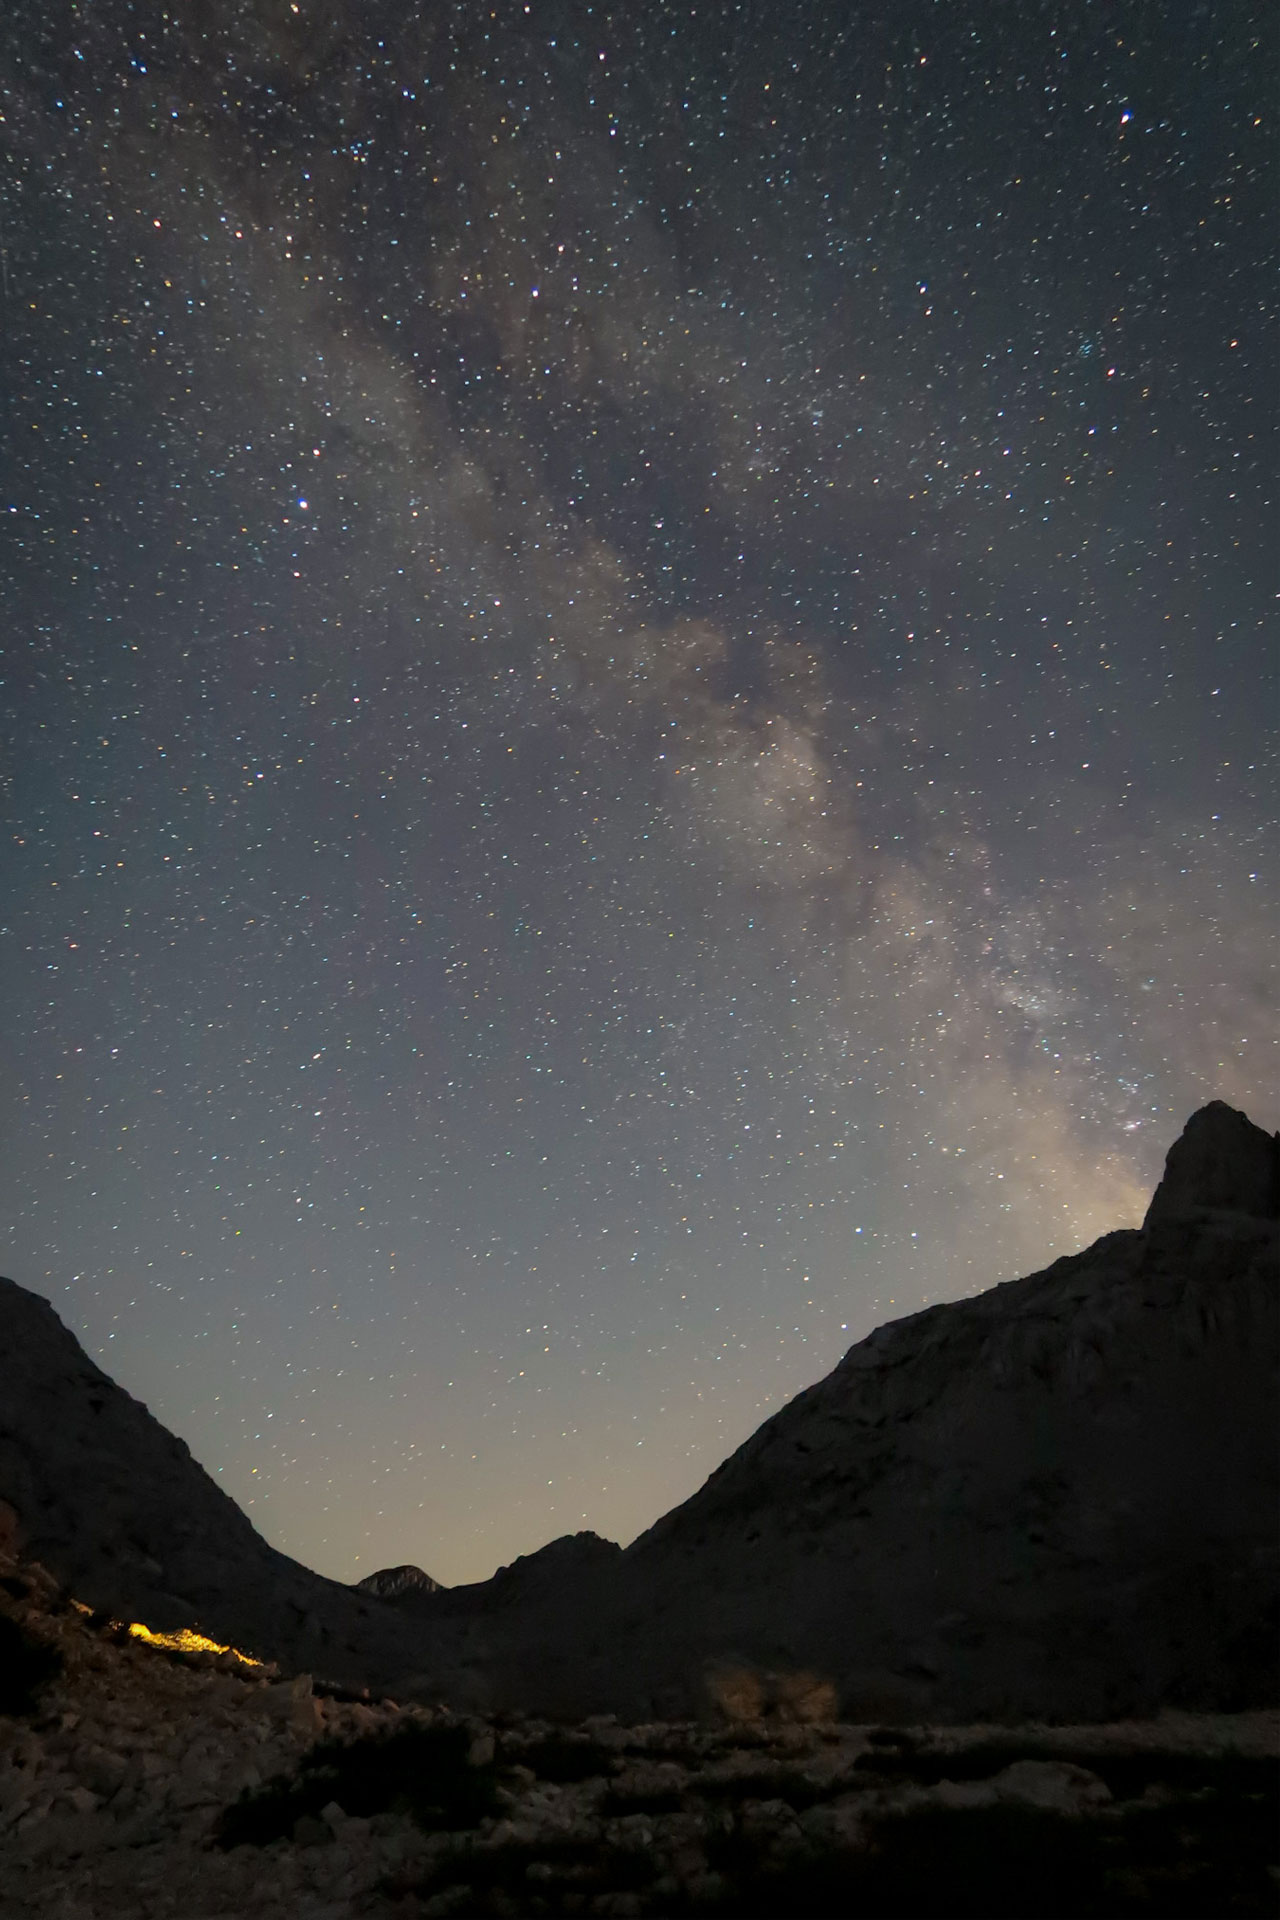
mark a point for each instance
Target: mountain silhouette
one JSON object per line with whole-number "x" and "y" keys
{"x": 1057, "y": 1498}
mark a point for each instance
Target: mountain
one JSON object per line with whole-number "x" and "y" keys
{"x": 115, "y": 1506}
{"x": 1056, "y": 1499}
{"x": 1220, "y": 1163}
{"x": 394, "y": 1583}
{"x": 1059, "y": 1497}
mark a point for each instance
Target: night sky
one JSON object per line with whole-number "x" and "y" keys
{"x": 636, "y": 706}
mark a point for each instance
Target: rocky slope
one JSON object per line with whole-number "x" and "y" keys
{"x": 139, "y": 1784}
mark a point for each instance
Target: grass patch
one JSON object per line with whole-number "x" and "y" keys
{"x": 1204, "y": 1856}
{"x": 27, "y": 1666}
{"x": 656, "y": 1799}
{"x": 936, "y": 1864}
{"x": 533, "y": 1879}
{"x": 1126, "y": 1774}
{"x": 1198, "y": 1858}
{"x": 417, "y": 1770}
{"x": 1225, "y": 1776}
{"x": 978, "y": 1762}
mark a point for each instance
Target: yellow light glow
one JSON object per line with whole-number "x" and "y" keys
{"x": 187, "y": 1641}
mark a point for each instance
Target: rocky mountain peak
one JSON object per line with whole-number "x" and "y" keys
{"x": 392, "y": 1583}
{"x": 1221, "y": 1162}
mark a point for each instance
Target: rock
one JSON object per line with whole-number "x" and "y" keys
{"x": 959, "y": 1795}
{"x": 310, "y": 1832}
{"x": 93, "y": 1756}
{"x": 771, "y": 1827}
{"x": 456, "y": 1899}
{"x": 836, "y": 1824}
{"x": 61, "y": 1836}
{"x": 1220, "y": 1161}
{"x": 291, "y": 1704}
{"x": 1057, "y": 1785}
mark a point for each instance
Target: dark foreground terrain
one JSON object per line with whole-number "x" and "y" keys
{"x": 144, "y": 1781}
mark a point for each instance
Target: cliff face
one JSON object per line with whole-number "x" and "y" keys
{"x": 1055, "y": 1499}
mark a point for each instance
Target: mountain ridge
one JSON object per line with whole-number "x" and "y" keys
{"x": 1055, "y": 1497}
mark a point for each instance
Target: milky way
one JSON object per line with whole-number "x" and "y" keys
{"x": 635, "y": 702}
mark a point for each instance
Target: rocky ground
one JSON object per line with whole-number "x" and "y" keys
{"x": 143, "y": 1781}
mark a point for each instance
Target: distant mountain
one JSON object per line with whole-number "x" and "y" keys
{"x": 573, "y": 1556}
{"x": 397, "y": 1583}
{"x": 1055, "y": 1499}
{"x": 530, "y": 1578}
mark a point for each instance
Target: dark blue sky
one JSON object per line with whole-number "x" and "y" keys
{"x": 636, "y": 707}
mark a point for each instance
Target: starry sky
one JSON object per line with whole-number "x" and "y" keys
{"x": 636, "y": 707}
